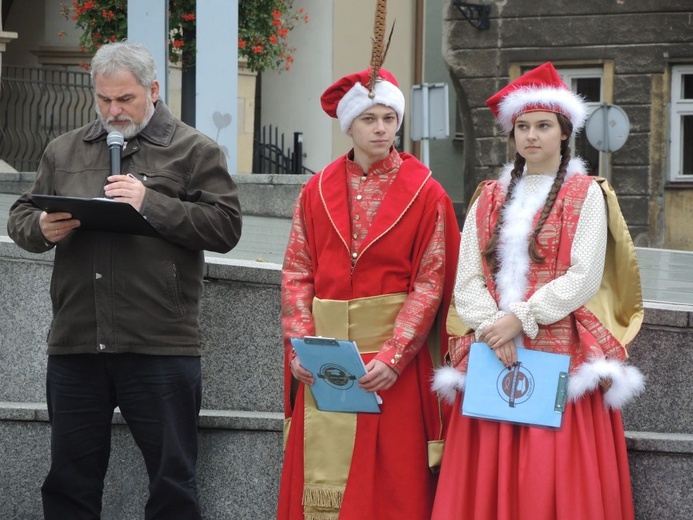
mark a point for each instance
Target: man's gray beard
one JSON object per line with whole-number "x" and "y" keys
{"x": 132, "y": 129}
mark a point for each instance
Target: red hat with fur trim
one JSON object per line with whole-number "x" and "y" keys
{"x": 349, "y": 97}
{"x": 538, "y": 90}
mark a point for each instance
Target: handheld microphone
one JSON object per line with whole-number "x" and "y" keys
{"x": 115, "y": 143}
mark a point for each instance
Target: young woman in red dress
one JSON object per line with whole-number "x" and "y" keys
{"x": 537, "y": 270}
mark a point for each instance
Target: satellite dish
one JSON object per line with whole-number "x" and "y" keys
{"x": 607, "y": 128}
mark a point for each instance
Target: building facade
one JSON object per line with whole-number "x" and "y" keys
{"x": 635, "y": 55}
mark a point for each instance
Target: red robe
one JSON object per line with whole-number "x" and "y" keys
{"x": 505, "y": 471}
{"x": 389, "y": 475}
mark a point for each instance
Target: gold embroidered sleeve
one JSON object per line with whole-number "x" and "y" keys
{"x": 298, "y": 286}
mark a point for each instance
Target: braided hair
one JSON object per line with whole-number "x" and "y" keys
{"x": 490, "y": 251}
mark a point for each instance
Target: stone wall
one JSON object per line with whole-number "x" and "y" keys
{"x": 241, "y": 422}
{"x": 635, "y": 43}
{"x": 240, "y": 425}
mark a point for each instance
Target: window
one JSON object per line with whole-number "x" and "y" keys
{"x": 681, "y": 133}
{"x": 588, "y": 83}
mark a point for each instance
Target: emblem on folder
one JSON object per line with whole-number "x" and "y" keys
{"x": 515, "y": 386}
{"x": 336, "y": 376}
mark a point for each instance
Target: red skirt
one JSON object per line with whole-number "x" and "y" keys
{"x": 389, "y": 478}
{"x": 501, "y": 471}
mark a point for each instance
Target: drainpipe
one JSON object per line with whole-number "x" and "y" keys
{"x": 419, "y": 21}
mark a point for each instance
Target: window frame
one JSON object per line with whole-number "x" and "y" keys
{"x": 568, "y": 75}
{"x": 678, "y": 108}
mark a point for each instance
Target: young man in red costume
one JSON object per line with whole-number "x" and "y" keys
{"x": 371, "y": 257}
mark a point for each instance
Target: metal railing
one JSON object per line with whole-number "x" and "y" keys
{"x": 270, "y": 156}
{"x": 37, "y": 105}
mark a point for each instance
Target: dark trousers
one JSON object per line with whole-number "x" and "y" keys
{"x": 159, "y": 397}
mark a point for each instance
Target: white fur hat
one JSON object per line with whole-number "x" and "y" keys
{"x": 540, "y": 89}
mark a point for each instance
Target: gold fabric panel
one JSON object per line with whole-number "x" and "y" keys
{"x": 618, "y": 303}
{"x": 329, "y": 437}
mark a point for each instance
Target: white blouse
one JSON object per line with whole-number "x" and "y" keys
{"x": 556, "y": 299}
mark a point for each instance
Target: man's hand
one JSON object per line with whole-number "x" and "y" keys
{"x": 301, "y": 373}
{"x": 378, "y": 376}
{"x": 125, "y": 188}
{"x": 56, "y": 226}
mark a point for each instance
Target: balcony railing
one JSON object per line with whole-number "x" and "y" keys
{"x": 37, "y": 105}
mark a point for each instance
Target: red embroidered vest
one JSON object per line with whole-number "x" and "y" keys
{"x": 580, "y": 334}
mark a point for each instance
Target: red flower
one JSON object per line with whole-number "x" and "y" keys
{"x": 258, "y": 49}
{"x": 273, "y": 39}
{"x": 241, "y": 43}
{"x": 178, "y": 43}
{"x": 188, "y": 17}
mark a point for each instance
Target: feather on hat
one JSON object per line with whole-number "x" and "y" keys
{"x": 350, "y": 96}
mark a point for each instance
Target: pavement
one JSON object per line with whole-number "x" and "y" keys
{"x": 666, "y": 275}
{"x": 263, "y": 239}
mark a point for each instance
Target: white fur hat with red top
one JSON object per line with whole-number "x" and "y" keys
{"x": 350, "y": 96}
{"x": 539, "y": 90}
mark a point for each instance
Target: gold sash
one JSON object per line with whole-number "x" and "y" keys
{"x": 329, "y": 436}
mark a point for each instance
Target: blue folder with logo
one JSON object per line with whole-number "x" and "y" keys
{"x": 533, "y": 392}
{"x": 336, "y": 366}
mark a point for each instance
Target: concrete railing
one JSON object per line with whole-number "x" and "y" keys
{"x": 269, "y": 195}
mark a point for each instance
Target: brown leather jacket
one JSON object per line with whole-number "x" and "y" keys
{"x": 115, "y": 293}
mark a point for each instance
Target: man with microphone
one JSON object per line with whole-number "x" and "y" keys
{"x": 124, "y": 330}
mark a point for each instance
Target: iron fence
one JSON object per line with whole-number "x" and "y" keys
{"x": 270, "y": 155}
{"x": 37, "y": 105}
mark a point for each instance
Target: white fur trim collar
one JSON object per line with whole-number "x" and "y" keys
{"x": 518, "y": 225}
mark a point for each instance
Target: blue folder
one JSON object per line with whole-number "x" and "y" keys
{"x": 532, "y": 393}
{"x": 336, "y": 366}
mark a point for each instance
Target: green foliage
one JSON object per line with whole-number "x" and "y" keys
{"x": 263, "y": 26}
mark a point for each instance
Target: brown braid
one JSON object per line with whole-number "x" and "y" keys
{"x": 550, "y": 201}
{"x": 489, "y": 251}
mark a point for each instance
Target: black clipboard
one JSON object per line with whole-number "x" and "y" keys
{"x": 98, "y": 214}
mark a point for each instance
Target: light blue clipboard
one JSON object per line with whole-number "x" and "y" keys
{"x": 336, "y": 366}
{"x": 532, "y": 393}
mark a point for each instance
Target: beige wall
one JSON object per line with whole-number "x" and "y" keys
{"x": 291, "y": 98}
{"x": 353, "y": 29}
{"x": 678, "y": 215}
{"x": 336, "y": 41}
{"x": 246, "y": 119}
